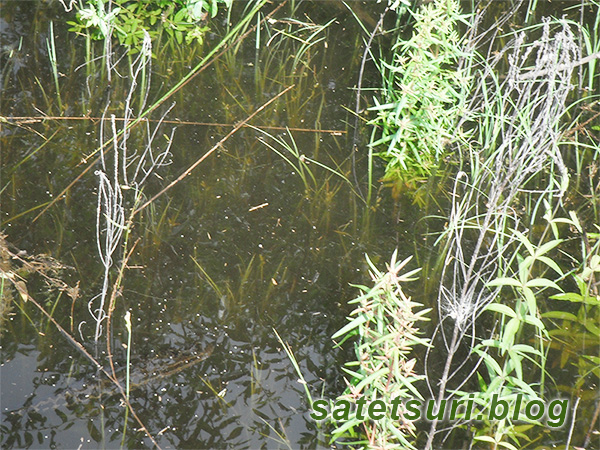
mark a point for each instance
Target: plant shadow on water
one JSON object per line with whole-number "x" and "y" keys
{"x": 250, "y": 241}
{"x": 267, "y": 233}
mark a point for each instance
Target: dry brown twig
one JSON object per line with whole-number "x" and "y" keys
{"x": 112, "y": 377}
{"x": 212, "y": 150}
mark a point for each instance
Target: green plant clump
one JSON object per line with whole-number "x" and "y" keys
{"x": 423, "y": 95}
{"x": 384, "y": 321}
{"x": 128, "y": 19}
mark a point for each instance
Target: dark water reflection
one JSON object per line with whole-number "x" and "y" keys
{"x": 239, "y": 248}
{"x": 286, "y": 265}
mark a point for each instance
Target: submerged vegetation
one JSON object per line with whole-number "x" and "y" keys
{"x": 226, "y": 204}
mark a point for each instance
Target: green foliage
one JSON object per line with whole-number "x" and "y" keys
{"x": 423, "y": 95}
{"x": 576, "y": 332}
{"x": 291, "y": 154}
{"x": 508, "y": 357}
{"x": 384, "y": 322}
{"x": 576, "y": 336}
{"x": 128, "y": 19}
{"x": 515, "y": 358}
{"x": 514, "y": 365}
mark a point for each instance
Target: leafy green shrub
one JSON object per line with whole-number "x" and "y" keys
{"x": 422, "y": 96}
{"x": 128, "y": 19}
{"x": 384, "y": 322}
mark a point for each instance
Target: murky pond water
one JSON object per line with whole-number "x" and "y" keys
{"x": 265, "y": 236}
{"x": 242, "y": 247}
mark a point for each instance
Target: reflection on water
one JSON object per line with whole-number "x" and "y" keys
{"x": 241, "y": 247}
{"x": 256, "y": 238}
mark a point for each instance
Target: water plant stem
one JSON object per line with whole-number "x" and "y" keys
{"x": 363, "y": 63}
{"x": 53, "y": 64}
{"x": 127, "y": 375}
{"x": 442, "y": 387}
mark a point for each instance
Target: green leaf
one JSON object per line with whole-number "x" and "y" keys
{"x": 569, "y": 296}
{"x": 514, "y": 362}
{"x": 507, "y": 445}
{"x": 594, "y": 301}
{"x": 482, "y": 384}
{"x": 368, "y": 380}
{"x": 530, "y": 300}
{"x": 409, "y": 383}
{"x": 349, "y": 424}
{"x": 522, "y": 385}
{"x": 593, "y": 359}
{"x": 508, "y": 335}
{"x": 502, "y": 309}
{"x": 503, "y": 281}
{"x": 491, "y": 363}
{"x": 355, "y": 323}
{"x": 542, "y": 282}
{"x": 595, "y": 263}
{"x": 532, "y": 320}
{"x": 523, "y": 239}
{"x": 494, "y": 343}
{"x": 179, "y": 17}
{"x": 592, "y": 327}
{"x": 524, "y": 348}
{"x": 560, "y": 315}
{"x": 550, "y": 263}
{"x": 495, "y": 384}
{"x": 543, "y": 249}
{"x": 576, "y": 222}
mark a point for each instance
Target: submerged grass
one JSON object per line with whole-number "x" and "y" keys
{"x": 123, "y": 170}
{"x": 50, "y": 44}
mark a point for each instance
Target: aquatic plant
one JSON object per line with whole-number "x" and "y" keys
{"x": 44, "y": 266}
{"x": 573, "y": 317}
{"x": 50, "y": 44}
{"x": 516, "y": 368}
{"x": 130, "y": 20}
{"x": 516, "y": 127}
{"x": 423, "y": 95}
{"x": 385, "y": 323}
